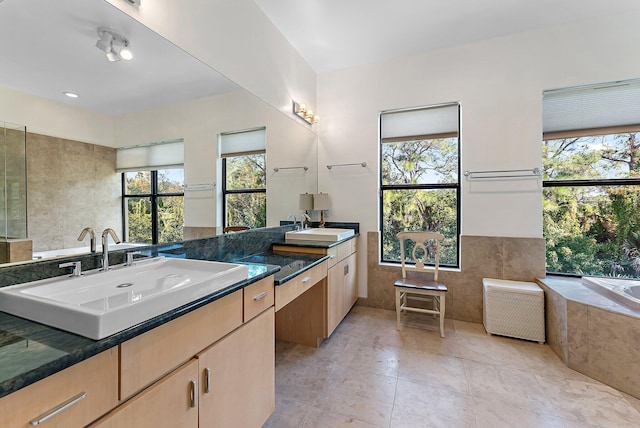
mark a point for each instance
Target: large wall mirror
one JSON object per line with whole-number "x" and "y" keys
{"x": 162, "y": 94}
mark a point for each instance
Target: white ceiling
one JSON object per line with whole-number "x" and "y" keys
{"x": 335, "y": 34}
{"x": 48, "y": 47}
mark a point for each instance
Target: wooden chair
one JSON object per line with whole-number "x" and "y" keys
{"x": 420, "y": 289}
{"x": 231, "y": 229}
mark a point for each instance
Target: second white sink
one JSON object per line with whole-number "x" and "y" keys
{"x": 319, "y": 234}
{"x": 100, "y": 304}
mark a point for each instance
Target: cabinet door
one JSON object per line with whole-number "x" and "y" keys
{"x": 148, "y": 357}
{"x": 171, "y": 402}
{"x": 335, "y": 296}
{"x": 350, "y": 284}
{"x": 238, "y": 376}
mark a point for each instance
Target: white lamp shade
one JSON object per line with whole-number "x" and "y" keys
{"x": 306, "y": 201}
{"x": 321, "y": 201}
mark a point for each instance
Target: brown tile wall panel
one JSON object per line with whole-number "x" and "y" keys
{"x": 481, "y": 257}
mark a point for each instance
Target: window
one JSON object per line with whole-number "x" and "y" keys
{"x": 591, "y": 187}
{"x": 153, "y": 206}
{"x": 419, "y": 177}
{"x": 152, "y": 192}
{"x": 244, "y": 191}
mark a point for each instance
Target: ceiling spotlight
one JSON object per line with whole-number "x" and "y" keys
{"x": 114, "y": 45}
{"x": 71, "y": 94}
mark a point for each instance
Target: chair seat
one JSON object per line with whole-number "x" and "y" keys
{"x": 421, "y": 284}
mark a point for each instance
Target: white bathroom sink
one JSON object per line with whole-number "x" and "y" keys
{"x": 99, "y": 304}
{"x": 320, "y": 234}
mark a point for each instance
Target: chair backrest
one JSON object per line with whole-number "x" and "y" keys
{"x": 428, "y": 242}
{"x": 234, "y": 229}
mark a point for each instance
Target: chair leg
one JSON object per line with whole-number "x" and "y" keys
{"x": 442, "y": 315}
{"x": 398, "y": 310}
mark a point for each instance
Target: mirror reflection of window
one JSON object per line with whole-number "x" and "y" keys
{"x": 244, "y": 179}
{"x": 153, "y": 192}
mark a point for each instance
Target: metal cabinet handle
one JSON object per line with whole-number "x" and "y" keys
{"x": 51, "y": 413}
{"x": 193, "y": 393}
{"x": 346, "y": 269}
{"x": 305, "y": 280}
{"x": 207, "y": 380}
{"x": 261, "y": 296}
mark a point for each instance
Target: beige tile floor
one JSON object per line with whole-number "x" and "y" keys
{"x": 370, "y": 375}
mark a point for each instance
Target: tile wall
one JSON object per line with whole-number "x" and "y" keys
{"x": 521, "y": 259}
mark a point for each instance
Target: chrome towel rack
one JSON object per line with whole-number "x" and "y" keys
{"x": 362, "y": 164}
{"x": 201, "y": 187}
{"x": 306, "y": 168}
{"x": 505, "y": 173}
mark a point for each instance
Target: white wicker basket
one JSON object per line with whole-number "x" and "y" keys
{"x": 514, "y": 309}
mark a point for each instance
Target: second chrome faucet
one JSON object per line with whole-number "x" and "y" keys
{"x": 105, "y": 246}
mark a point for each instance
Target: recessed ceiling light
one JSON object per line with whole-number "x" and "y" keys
{"x": 71, "y": 94}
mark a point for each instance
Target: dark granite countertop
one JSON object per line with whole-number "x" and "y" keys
{"x": 31, "y": 351}
{"x": 290, "y": 264}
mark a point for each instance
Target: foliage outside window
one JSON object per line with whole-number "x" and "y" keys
{"x": 591, "y": 211}
{"x": 244, "y": 190}
{"x": 153, "y": 206}
{"x": 420, "y": 182}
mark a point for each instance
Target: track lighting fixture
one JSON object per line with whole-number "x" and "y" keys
{"x": 114, "y": 45}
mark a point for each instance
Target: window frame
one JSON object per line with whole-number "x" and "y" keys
{"x": 602, "y": 182}
{"x": 226, "y": 191}
{"x": 153, "y": 196}
{"x": 457, "y": 186}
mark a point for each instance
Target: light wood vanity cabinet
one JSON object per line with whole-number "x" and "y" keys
{"x": 342, "y": 291}
{"x": 341, "y": 286}
{"x": 90, "y": 388}
{"x": 158, "y": 378}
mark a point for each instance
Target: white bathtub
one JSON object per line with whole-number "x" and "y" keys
{"x": 625, "y": 291}
{"x": 38, "y": 255}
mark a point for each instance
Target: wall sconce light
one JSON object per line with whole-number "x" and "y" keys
{"x": 304, "y": 113}
{"x": 114, "y": 45}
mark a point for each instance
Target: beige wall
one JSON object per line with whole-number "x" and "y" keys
{"x": 499, "y": 83}
{"x": 71, "y": 185}
{"x": 520, "y": 259}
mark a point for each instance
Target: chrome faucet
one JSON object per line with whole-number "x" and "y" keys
{"x": 304, "y": 220}
{"x": 295, "y": 224}
{"x": 105, "y": 246}
{"x": 92, "y": 236}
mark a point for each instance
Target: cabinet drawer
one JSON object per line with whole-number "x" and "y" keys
{"x": 288, "y": 291}
{"x": 340, "y": 252}
{"x": 96, "y": 377}
{"x": 258, "y": 297}
{"x": 171, "y": 402}
{"x": 146, "y": 358}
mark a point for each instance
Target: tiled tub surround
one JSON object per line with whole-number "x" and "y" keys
{"x": 593, "y": 334}
{"x": 520, "y": 259}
